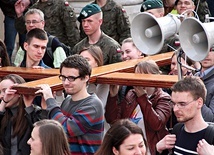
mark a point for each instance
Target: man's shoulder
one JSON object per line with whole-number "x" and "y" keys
{"x": 105, "y": 39}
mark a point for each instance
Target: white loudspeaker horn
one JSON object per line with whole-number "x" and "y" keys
{"x": 196, "y": 38}
{"x": 149, "y": 32}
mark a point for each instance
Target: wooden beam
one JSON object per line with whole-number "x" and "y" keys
{"x": 117, "y": 78}
{"x": 132, "y": 79}
{"x": 126, "y": 66}
{"x": 30, "y": 88}
{"x": 99, "y": 75}
{"x": 28, "y": 73}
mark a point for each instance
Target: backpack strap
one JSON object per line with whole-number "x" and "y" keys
{"x": 177, "y": 128}
{"x": 209, "y": 134}
{"x": 49, "y": 46}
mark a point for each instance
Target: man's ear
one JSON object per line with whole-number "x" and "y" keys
{"x": 87, "y": 78}
{"x": 200, "y": 102}
{"x": 115, "y": 151}
{"x": 25, "y": 46}
{"x": 100, "y": 21}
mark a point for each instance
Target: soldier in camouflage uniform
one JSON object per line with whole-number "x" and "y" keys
{"x": 115, "y": 20}
{"x": 60, "y": 20}
{"x": 91, "y": 20}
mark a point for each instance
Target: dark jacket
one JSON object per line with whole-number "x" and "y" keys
{"x": 156, "y": 112}
{"x": 8, "y": 9}
{"x": 208, "y": 108}
{"x": 33, "y": 114}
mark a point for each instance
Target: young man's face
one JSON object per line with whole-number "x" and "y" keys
{"x": 33, "y": 21}
{"x": 35, "y": 49}
{"x": 75, "y": 86}
{"x": 91, "y": 24}
{"x": 185, "y": 107}
{"x": 184, "y": 5}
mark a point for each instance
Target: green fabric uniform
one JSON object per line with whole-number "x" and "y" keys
{"x": 60, "y": 21}
{"x": 108, "y": 46}
{"x": 115, "y": 22}
{"x": 202, "y": 9}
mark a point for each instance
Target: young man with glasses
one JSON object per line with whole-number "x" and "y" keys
{"x": 188, "y": 97}
{"x": 81, "y": 114}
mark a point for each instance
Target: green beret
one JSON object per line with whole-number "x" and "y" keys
{"x": 151, "y": 4}
{"x": 88, "y": 11}
{"x": 176, "y": 2}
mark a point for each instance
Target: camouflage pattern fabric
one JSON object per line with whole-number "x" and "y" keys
{"x": 115, "y": 22}
{"x": 108, "y": 46}
{"x": 60, "y": 21}
{"x": 203, "y": 9}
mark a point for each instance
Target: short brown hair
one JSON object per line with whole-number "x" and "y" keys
{"x": 191, "y": 84}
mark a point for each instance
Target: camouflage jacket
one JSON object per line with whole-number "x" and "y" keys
{"x": 115, "y": 22}
{"x": 201, "y": 7}
{"x": 108, "y": 46}
{"x": 60, "y": 21}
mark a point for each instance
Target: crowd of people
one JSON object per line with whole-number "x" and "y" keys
{"x": 93, "y": 118}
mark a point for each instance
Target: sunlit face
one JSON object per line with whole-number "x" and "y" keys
{"x": 77, "y": 86}
{"x": 156, "y": 13}
{"x": 35, "y": 49}
{"x": 189, "y": 110}
{"x": 184, "y": 5}
{"x": 208, "y": 61}
{"x": 91, "y": 24}
{"x": 92, "y": 62}
{"x": 3, "y": 86}
{"x": 35, "y": 142}
{"x": 132, "y": 145}
{"x": 33, "y": 21}
{"x": 174, "y": 67}
{"x": 129, "y": 51}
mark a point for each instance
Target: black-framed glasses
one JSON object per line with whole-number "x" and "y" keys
{"x": 181, "y": 105}
{"x": 28, "y": 22}
{"x": 70, "y": 78}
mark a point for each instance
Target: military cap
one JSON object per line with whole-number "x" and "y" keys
{"x": 176, "y": 2}
{"x": 151, "y": 4}
{"x": 88, "y": 11}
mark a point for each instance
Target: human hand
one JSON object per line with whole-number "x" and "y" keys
{"x": 20, "y": 7}
{"x": 168, "y": 142}
{"x": 9, "y": 94}
{"x": 45, "y": 90}
{"x": 113, "y": 89}
{"x": 204, "y": 148}
{"x": 38, "y": 67}
{"x": 139, "y": 90}
{"x": 28, "y": 100}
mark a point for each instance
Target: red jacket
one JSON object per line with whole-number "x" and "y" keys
{"x": 156, "y": 112}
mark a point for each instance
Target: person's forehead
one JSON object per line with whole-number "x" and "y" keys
{"x": 34, "y": 15}
{"x": 185, "y": 1}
